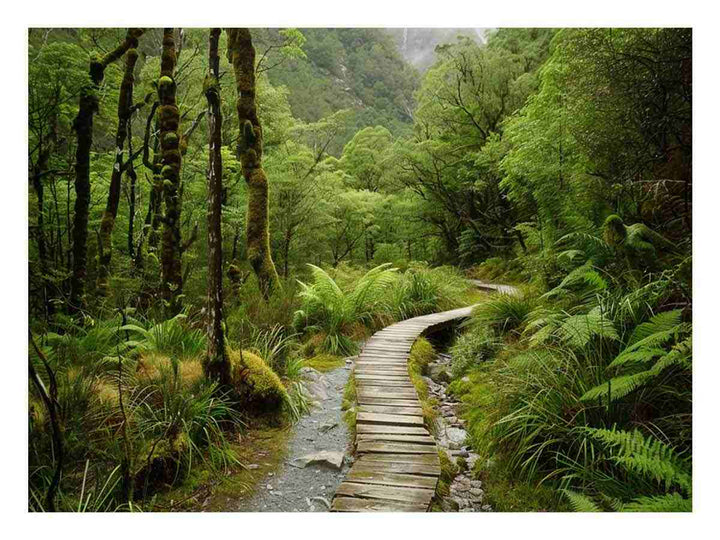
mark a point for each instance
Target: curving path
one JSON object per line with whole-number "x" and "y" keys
{"x": 398, "y": 466}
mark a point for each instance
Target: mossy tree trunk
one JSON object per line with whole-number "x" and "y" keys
{"x": 113, "y": 201}
{"x": 249, "y": 149}
{"x": 171, "y": 161}
{"x": 217, "y": 364}
{"x": 83, "y": 126}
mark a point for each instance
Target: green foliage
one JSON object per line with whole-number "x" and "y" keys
{"x": 471, "y": 349}
{"x": 505, "y": 312}
{"x": 328, "y": 309}
{"x": 169, "y": 337}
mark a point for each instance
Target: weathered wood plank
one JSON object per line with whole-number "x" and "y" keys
{"x": 349, "y": 504}
{"x": 363, "y": 387}
{"x": 418, "y": 459}
{"x": 392, "y": 419}
{"x": 365, "y": 400}
{"x": 401, "y": 494}
{"x": 399, "y": 430}
{"x": 391, "y": 479}
{"x": 386, "y": 393}
{"x": 389, "y": 409}
{"x": 364, "y": 447}
{"x": 421, "y": 469}
{"x": 389, "y": 437}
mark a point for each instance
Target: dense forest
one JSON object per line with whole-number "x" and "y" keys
{"x": 212, "y": 212}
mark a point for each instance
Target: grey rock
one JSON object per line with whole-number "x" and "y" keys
{"x": 327, "y": 427}
{"x": 326, "y": 458}
{"x": 322, "y": 500}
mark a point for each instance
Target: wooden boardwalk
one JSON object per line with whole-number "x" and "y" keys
{"x": 397, "y": 467}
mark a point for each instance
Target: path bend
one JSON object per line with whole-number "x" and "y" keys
{"x": 397, "y": 468}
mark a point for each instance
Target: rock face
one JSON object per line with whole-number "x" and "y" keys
{"x": 324, "y": 458}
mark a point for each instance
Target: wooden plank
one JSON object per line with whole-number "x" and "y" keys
{"x": 432, "y": 471}
{"x": 417, "y": 459}
{"x": 392, "y": 419}
{"x": 365, "y": 400}
{"x": 389, "y": 383}
{"x": 399, "y": 430}
{"x": 363, "y": 387}
{"x": 389, "y": 409}
{"x": 389, "y": 377}
{"x": 391, "y": 479}
{"x": 364, "y": 447}
{"x": 349, "y": 504}
{"x": 401, "y": 494}
{"x": 389, "y": 437}
{"x": 386, "y": 393}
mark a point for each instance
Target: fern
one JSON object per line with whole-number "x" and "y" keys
{"x": 580, "y": 502}
{"x": 578, "y": 330}
{"x": 659, "y": 323}
{"x": 646, "y": 457}
{"x": 670, "y": 502}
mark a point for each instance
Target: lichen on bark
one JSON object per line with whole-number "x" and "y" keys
{"x": 217, "y": 364}
{"x": 249, "y": 149}
{"x": 171, "y": 161}
{"x": 107, "y": 224}
{"x": 83, "y": 126}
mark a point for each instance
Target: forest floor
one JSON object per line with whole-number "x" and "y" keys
{"x": 271, "y": 478}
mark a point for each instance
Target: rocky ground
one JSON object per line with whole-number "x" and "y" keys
{"x": 318, "y": 455}
{"x": 466, "y": 493}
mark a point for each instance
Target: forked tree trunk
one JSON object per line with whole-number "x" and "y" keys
{"x": 217, "y": 364}
{"x": 113, "y": 201}
{"x": 170, "y": 254}
{"x": 249, "y": 149}
{"x": 83, "y": 126}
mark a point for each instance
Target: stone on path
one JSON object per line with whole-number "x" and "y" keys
{"x": 326, "y": 458}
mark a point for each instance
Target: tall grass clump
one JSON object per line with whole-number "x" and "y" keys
{"x": 421, "y": 290}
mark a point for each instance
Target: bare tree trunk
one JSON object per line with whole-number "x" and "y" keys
{"x": 113, "y": 201}
{"x": 217, "y": 364}
{"x": 170, "y": 255}
{"x": 250, "y": 148}
{"x": 83, "y": 126}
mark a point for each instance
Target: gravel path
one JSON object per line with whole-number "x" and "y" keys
{"x": 292, "y": 488}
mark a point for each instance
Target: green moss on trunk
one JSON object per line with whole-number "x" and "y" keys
{"x": 250, "y": 148}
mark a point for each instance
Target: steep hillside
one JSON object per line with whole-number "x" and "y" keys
{"x": 417, "y": 45}
{"x": 356, "y": 68}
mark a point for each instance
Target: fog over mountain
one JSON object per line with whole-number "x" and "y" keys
{"x": 417, "y": 45}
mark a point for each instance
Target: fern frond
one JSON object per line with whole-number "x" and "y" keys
{"x": 580, "y": 502}
{"x": 617, "y": 387}
{"x": 578, "y": 330}
{"x": 670, "y": 502}
{"x": 647, "y": 457}
{"x": 659, "y": 323}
